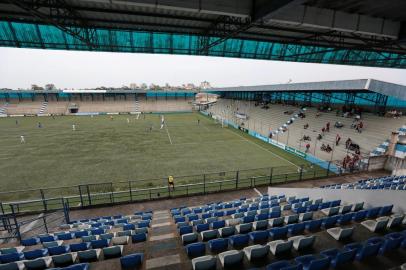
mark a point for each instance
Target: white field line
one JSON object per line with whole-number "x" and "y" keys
{"x": 169, "y": 136}
{"x": 263, "y": 148}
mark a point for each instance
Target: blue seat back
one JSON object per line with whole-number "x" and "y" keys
{"x": 139, "y": 237}
{"x": 218, "y": 224}
{"x": 101, "y": 243}
{"x": 36, "y": 253}
{"x": 202, "y": 227}
{"x": 217, "y": 245}
{"x": 278, "y": 232}
{"x": 58, "y": 250}
{"x": 196, "y": 249}
{"x": 239, "y": 240}
{"x": 185, "y": 229}
{"x": 259, "y": 235}
{"x": 79, "y": 246}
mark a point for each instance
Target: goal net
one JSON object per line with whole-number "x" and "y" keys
{"x": 220, "y": 120}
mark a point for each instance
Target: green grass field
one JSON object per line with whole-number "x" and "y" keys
{"x": 111, "y": 150}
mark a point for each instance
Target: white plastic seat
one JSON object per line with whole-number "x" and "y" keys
{"x": 275, "y": 221}
{"x": 209, "y": 234}
{"x": 339, "y": 233}
{"x": 189, "y": 237}
{"x": 305, "y": 216}
{"x": 331, "y": 211}
{"x": 301, "y": 241}
{"x": 375, "y": 225}
{"x": 120, "y": 240}
{"x": 204, "y": 262}
{"x": 233, "y": 221}
{"x": 291, "y": 219}
{"x": 280, "y": 246}
{"x": 256, "y": 252}
{"x": 357, "y": 206}
{"x": 242, "y": 228}
{"x": 230, "y": 257}
{"x": 395, "y": 220}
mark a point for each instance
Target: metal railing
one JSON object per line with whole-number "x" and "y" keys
{"x": 87, "y": 195}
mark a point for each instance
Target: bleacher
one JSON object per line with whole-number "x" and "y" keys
{"x": 387, "y": 182}
{"x": 264, "y": 121}
{"x": 81, "y": 242}
{"x": 267, "y": 232}
{"x": 108, "y": 105}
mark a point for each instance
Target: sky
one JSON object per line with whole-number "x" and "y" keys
{"x": 19, "y": 68}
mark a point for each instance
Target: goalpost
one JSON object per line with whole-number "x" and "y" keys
{"x": 137, "y": 114}
{"x": 220, "y": 120}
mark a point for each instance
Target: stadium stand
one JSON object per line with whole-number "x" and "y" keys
{"x": 265, "y": 231}
{"x": 387, "y": 182}
{"x": 271, "y": 119}
{"x": 107, "y": 106}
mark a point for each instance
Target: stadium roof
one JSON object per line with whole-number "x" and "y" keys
{"x": 353, "y": 32}
{"x": 385, "y": 88}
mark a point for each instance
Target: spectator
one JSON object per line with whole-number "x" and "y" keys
{"x": 323, "y": 130}
{"x": 307, "y": 147}
{"x": 328, "y": 127}
{"x": 338, "y": 138}
{"x": 348, "y": 142}
{"x": 306, "y": 126}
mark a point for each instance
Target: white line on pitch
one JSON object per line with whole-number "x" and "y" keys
{"x": 167, "y": 132}
{"x": 257, "y": 191}
{"x": 263, "y": 148}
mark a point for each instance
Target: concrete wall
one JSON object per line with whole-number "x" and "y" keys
{"x": 371, "y": 198}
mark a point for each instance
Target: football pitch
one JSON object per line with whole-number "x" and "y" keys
{"x": 123, "y": 148}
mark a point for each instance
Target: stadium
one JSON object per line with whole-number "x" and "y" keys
{"x": 303, "y": 175}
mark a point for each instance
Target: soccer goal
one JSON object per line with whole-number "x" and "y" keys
{"x": 220, "y": 120}
{"x": 137, "y": 114}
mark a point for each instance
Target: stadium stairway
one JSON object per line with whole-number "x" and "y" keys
{"x": 43, "y": 108}
{"x": 3, "y": 109}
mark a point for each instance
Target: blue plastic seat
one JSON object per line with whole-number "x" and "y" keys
{"x": 217, "y": 245}
{"x": 258, "y": 236}
{"x": 274, "y": 214}
{"x": 179, "y": 219}
{"x": 58, "y": 250}
{"x": 298, "y": 228}
{"x": 202, "y": 227}
{"x": 391, "y": 241}
{"x": 248, "y": 219}
{"x": 299, "y": 210}
{"x": 196, "y": 249}
{"x": 219, "y": 214}
{"x": 139, "y": 237}
{"x": 369, "y": 249}
{"x": 261, "y": 217}
{"x": 36, "y": 253}
{"x": 11, "y": 257}
{"x": 192, "y": 217}
{"x": 144, "y": 224}
{"x": 335, "y": 203}
{"x": 339, "y": 257}
{"x": 312, "y": 207}
{"x": 278, "y": 232}
{"x": 97, "y": 231}
{"x": 218, "y": 224}
{"x": 99, "y": 243}
{"x": 206, "y": 215}
{"x": 345, "y": 218}
{"x": 30, "y": 241}
{"x": 48, "y": 238}
{"x": 312, "y": 262}
{"x": 79, "y": 246}
{"x": 185, "y": 229}
{"x": 230, "y": 212}
{"x": 329, "y": 221}
{"x": 386, "y": 210}
{"x": 96, "y": 225}
{"x": 239, "y": 240}
{"x": 283, "y": 265}
{"x": 313, "y": 225}
{"x": 132, "y": 261}
{"x": 128, "y": 227}
{"x": 65, "y": 236}
{"x": 373, "y": 212}
{"x": 360, "y": 215}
